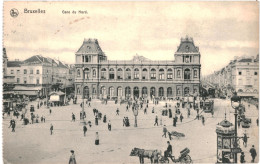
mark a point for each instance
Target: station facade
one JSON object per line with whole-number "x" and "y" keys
{"x": 97, "y": 77}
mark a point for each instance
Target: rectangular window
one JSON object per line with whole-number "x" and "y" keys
{"x": 143, "y": 77}
{"x": 18, "y": 71}
{"x": 239, "y": 73}
{"x": 31, "y": 71}
{"x": 25, "y": 80}
{"x": 161, "y": 76}
{"x": 103, "y": 75}
{"x": 18, "y": 80}
{"x": 37, "y": 81}
{"x": 12, "y": 71}
{"x": 128, "y": 76}
{"x": 153, "y": 75}
{"x": 255, "y": 73}
{"x": 25, "y": 71}
{"x": 111, "y": 76}
{"x": 38, "y": 71}
{"x": 169, "y": 76}
{"x": 136, "y": 75}
{"x": 195, "y": 73}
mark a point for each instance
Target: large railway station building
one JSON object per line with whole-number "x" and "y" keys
{"x": 97, "y": 77}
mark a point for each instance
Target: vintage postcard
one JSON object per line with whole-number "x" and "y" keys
{"x": 130, "y": 82}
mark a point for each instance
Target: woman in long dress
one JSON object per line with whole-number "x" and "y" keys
{"x": 72, "y": 158}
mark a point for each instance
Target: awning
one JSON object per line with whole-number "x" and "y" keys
{"x": 26, "y": 88}
{"x": 29, "y": 93}
{"x": 248, "y": 94}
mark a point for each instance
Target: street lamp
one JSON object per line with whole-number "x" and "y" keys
{"x": 82, "y": 121}
{"x": 235, "y": 102}
{"x": 38, "y": 106}
{"x": 135, "y": 114}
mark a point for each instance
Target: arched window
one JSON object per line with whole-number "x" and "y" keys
{"x": 119, "y": 92}
{"x": 94, "y": 73}
{"x": 178, "y": 73}
{"x": 144, "y": 74}
{"x": 169, "y": 74}
{"x": 119, "y": 73}
{"x": 128, "y": 74}
{"x": 111, "y": 92}
{"x": 111, "y": 73}
{"x": 152, "y": 92}
{"x": 136, "y": 73}
{"x": 86, "y": 73}
{"x": 144, "y": 92}
{"x": 186, "y": 91}
{"x": 161, "y": 92}
{"x": 103, "y": 73}
{"x": 169, "y": 92}
{"x": 78, "y": 72}
{"x": 161, "y": 74}
{"x": 187, "y": 74}
{"x": 153, "y": 73}
{"x": 240, "y": 90}
{"x": 127, "y": 92}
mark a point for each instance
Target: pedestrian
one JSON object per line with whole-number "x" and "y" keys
{"x": 51, "y": 129}
{"x": 164, "y": 131}
{"x": 96, "y": 120}
{"x": 245, "y": 140}
{"x": 212, "y": 113}
{"x": 117, "y": 112}
{"x": 11, "y": 122}
{"x": 253, "y": 153}
{"x": 13, "y": 126}
{"x": 153, "y": 110}
{"x": 104, "y": 119}
{"x": 174, "y": 121}
{"x": 170, "y": 135}
{"x": 203, "y": 120}
{"x": 50, "y": 110}
{"x": 44, "y": 119}
{"x": 156, "y": 120}
{"x": 72, "y": 158}
{"x": 97, "y": 139}
{"x": 89, "y": 104}
{"x": 181, "y": 117}
{"x": 242, "y": 157}
{"x": 127, "y": 108}
{"x": 85, "y": 130}
{"x": 145, "y": 111}
{"x": 109, "y": 125}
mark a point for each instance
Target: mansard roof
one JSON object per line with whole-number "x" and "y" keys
{"x": 38, "y": 59}
{"x": 90, "y": 46}
{"x": 14, "y": 63}
{"x": 247, "y": 60}
{"x": 187, "y": 45}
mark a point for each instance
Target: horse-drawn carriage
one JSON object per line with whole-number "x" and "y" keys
{"x": 156, "y": 156}
{"x": 177, "y": 134}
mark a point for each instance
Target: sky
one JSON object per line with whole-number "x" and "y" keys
{"x": 221, "y": 30}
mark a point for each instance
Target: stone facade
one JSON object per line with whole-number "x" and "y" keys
{"x": 240, "y": 75}
{"x": 140, "y": 77}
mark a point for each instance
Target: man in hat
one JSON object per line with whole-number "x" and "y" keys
{"x": 242, "y": 157}
{"x": 253, "y": 153}
{"x": 168, "y": 152}
{"x": 72, "y": 158}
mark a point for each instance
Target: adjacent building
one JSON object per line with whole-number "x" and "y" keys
{"x": 38, "y": 75}
{"x": 97, "y": 77}
{"x": 240, "y": 75}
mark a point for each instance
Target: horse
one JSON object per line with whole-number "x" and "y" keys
{"x": 142, "y": 153}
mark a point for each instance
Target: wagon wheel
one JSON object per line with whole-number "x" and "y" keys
{"x": 186, "y": 159}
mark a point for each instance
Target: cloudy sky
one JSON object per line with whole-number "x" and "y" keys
{"x": 221, "y": 30}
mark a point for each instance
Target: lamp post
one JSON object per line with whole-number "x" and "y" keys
{"x": 82, "y": 121}
{"x": 235, "y": 102}
{"x": 38, "y": 106}
{"x": 135, "y": 114}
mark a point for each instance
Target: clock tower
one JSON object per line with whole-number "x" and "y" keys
{"x": 5, "y": 59}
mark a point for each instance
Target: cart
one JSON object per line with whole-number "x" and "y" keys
{"x": 183, "y": 158}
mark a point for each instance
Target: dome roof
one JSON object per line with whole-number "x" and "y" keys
{"x": 225, "y": 123}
